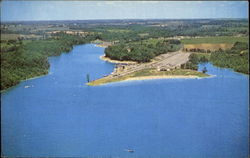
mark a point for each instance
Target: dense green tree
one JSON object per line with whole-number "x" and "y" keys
{"x": 236, "y": 58}
{"x": 140, "y": 51}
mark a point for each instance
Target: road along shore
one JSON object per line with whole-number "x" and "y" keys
{"x": 161, "y": 67}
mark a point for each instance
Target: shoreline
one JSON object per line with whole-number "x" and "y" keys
{"x": 23, "y": 81}
{"x": 102, "y": 57}
{"x": 99, "y": 45}
{"x": 148, "y": 78}
{"x": 161, "y": 77}
{"x": 186, "y": 74}
{"x": 103, "y": 44}
{"x": 155, "y": 77}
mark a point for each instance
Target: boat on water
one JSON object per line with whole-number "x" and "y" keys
{"x": 129, "y": 150}
{"x": 28, "y": 86}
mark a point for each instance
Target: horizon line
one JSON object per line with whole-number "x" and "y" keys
{"x": 125, "y": 19}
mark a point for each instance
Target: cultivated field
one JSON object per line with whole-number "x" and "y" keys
{"x": 212, "y": 43}
{"x": 215, "y": 40}
{"x": 205, "y": 46}
{"x": 15, "y": 36}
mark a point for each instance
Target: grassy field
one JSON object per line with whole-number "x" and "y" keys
{"x": 207, "y": 46}
{"x": 149, "y": 73}
{"x": 215, "y": 40}
{"x": 176, "y": 72}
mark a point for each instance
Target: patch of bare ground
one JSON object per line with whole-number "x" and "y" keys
{"x": 211, "y": 47}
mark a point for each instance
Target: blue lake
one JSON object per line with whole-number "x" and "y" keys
{"x": 177, "y": 118}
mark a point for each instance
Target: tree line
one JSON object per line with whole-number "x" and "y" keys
{"x": 236, "y": 58}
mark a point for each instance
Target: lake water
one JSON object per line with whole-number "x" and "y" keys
{"x": 177, "y": 118}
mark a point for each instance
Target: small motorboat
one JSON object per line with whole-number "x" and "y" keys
{"x": 28, "y": 86}
{"x": 129, "y": 150}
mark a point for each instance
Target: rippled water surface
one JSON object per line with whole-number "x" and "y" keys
{"x": 61, "y": 116}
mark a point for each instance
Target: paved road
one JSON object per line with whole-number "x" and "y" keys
{"x": 175, "y": 60}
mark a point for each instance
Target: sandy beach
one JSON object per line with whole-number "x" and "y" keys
{"x": 101, "y": 45}
{"x": 104, "y": 44}
{"x": 102, "y": 57}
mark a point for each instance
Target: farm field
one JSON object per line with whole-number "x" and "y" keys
{"x": 215, "y": 40}
{"x": 15, "y": 36}
{"x": 206, "y": 46}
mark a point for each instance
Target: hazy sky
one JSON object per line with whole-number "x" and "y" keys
{"x": 81, "y": 10}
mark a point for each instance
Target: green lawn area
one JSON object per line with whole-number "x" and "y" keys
{"x": 214, "y": 40}
{"x": 176, "y": 72}
{"x": 149, "y": 72}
